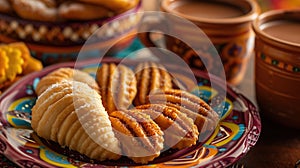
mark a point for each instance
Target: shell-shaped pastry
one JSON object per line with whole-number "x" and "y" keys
{"x": 71, "y": 114}
{"x": 65, "y": 74}
{"x": 205, "y": 118}
{"x": 141, "y": 138}
{"x": 117, "y": 86}
{"x": 150, "y": 77}
{"x": 179, "y": 130}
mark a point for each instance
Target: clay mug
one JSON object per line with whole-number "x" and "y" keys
{"x": 226, "y": 23}
{"x": 277, "y": 65}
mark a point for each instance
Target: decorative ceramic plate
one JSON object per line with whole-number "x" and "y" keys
{"x": 238, "y": 130}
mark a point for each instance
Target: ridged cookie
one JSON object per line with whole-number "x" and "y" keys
{"x": 151, "y": 77}
{"x": 71, "y": 114}
{"x": 65, "y": 74}
{"x": 194, "y": 107}
{"x": 117, "y": 86}
{"x": 141, "y": 138}
{"x": 179, "y": 130}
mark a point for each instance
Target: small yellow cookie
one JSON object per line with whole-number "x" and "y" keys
{"x": 15, "y": 62}
{"x": 25, "y": 53}
{"x": 3, "y": 65}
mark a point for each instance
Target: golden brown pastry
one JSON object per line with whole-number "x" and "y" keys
{"x": 151, "y": 77}
{"x": 141, "y": 138}
{"x": 179, "y": 130}
{"x": 72, "y": 10}
{"x": 5, "y": 7}
{"x": 117, "y": 86}
{"x": 65, "y": 74}
{"x": 203, "y": 115}
{"x": 39, "y": 10}
{"x": 71, "y": 114}
{"x": 114, "y": 5}
{"x": 50, "y": 3}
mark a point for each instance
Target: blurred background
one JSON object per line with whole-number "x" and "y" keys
{"x": 278, "y": 4}
{"x": 264, "y": 4}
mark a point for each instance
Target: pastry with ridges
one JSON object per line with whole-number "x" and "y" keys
{"x": 179, "y": 130}
{"x": 117, "y": 86}
{"x": 151, "y": 77}
{"x": 194, "y": 107}
{"x": 62, "y": 74}
{"x": 141, "y": 138}
{"x": 85, "y": 124}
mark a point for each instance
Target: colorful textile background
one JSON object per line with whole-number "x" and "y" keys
{"x": 278, "y": 4}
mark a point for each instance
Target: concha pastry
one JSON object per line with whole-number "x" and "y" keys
{"x": 115, "y": 5}
{"x": 62, "y": 74}
{"x": 205, "y": 118}
{"x": 74, "y": 10}
{"x": 117, "y": 86}
{"x": 179, "y": 130}
{"x": 39, "y": 10}
{"x": 5, "y": 7}
{"x": 71, "y": 114}
{"x": 141, "y": 138}
{"x": 151, "y": 77}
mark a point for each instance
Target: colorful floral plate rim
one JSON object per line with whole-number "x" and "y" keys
{"x": 238, "y": 130}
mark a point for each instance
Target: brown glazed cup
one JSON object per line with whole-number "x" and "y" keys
{"x": 277, "y": 65}
{"x": 231, "y": 34}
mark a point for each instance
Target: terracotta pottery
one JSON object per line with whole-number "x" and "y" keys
{"x": 54, "y": 42}
{"x": 226, "y": 23}
{"x": 277, "y": 65}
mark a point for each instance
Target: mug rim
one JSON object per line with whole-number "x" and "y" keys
{"x": 247, "y": 17}
{"x": 269, "y": 16}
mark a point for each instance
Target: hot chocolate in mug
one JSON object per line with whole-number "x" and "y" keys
{"x": 226, "y": 23}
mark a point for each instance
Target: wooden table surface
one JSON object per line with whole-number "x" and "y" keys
{"x": 277, "y": 146}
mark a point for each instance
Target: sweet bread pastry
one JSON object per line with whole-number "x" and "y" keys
{"x": 65, "y": 74}
{"x": 71, "y": 114}
{"x": 5, "y": 7}
{"x": 179, "y": 130}
{"x": 39, "y": 10}
{"x": 151, "y": 77}
{"x": 50, "y": 3}
{"x": 205, "y": 118}
{"x": 114, "y": 5}
{"x": 64, "y": 10}
{"x": 117, "y": 86}
{"x": 141, "y": 138}
{"x": 72, "y": 10}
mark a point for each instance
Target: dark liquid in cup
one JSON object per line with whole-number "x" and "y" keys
{"x": 207, "y": 9}
{"x": 287, "y": 30}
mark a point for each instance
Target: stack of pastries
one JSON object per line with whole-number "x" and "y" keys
{"x": 136, "y": 113}
{"x": 64, "y": 10}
